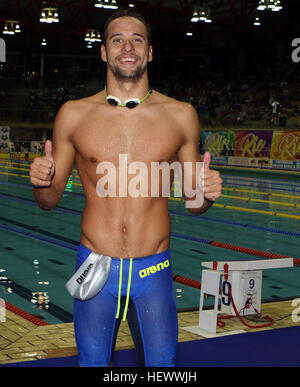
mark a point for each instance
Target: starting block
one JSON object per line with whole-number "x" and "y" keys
{"x": 243, "y": 279}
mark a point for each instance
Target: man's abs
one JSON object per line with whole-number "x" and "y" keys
{"x": 126, "y": 227}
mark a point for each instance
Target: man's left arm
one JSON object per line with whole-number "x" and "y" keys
{"x": 208, "y": 182}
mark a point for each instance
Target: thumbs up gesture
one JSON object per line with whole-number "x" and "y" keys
{"x": 42, "y": 169}
{"x": 212, "y": 180}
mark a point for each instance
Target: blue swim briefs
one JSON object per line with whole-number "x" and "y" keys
{"x": 140, "y": 289}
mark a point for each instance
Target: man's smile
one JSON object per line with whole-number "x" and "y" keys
{"x": 127, "y": 59}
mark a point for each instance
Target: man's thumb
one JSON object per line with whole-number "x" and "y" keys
{"x": 48, "y": 150}
{"x": 206, "y": 160}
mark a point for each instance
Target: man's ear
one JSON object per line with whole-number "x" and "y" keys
{"x": 150, "y": 54}
{"x": 103, "y": 53}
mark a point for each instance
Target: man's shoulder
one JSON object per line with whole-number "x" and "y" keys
{"x": 183, "y": 114}
{"x": 179, "y": 108}
{"x": 73, "y": 111}
{"x": 82, "y": 105}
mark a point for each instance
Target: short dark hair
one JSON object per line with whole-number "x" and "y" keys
{"x": 123, "y": 13}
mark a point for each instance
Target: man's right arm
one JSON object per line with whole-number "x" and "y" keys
{"x": 189, "y": 153}
{"x": 49, "y": 174}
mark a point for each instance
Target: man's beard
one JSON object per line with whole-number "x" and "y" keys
{"x": 133, "y": 76}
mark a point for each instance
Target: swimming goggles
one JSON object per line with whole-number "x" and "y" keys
{"x": 129, "y": 103}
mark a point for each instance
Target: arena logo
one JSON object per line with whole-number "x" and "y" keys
{"x": 2, "y": 50}
{"x": 116, "y": 179}
{"x": 153, "y": 269}
{"x": 296, "y": 52}
{"x": 84, "y": 274}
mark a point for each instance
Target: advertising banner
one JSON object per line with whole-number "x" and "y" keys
{"x": 284, "y": 164}
{"x": 219, "y": 143}
{"x": 253, "y": 143}
{"x": 278, "y": 149}
{"x": 285, "y": 145}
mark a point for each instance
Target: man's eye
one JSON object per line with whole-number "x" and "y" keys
{"x": 116, "y": 40}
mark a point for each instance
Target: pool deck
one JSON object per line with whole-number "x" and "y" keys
{"x": 22, "y": 340}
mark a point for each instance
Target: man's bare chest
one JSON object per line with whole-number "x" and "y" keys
{"x": 141, "y": 138}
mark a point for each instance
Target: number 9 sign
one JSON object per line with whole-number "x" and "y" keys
{"x": 226, "y": 289}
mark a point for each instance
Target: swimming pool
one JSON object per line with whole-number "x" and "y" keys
{"x": 258, "y": 211}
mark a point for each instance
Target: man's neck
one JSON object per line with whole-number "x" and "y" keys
{"x": 127, "y": 89}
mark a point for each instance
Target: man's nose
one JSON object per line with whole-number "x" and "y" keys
{"x": 127, "y": 46}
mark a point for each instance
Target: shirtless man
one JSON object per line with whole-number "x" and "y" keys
{"x": 135, "y": 230}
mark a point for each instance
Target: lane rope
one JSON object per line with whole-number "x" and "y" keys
{"x": 27, "y": 316}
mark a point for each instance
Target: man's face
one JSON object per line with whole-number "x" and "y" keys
{"x": 127, "y": 51}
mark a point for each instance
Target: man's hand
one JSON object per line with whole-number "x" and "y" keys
{"x": 42, "y": 169}
{"x": 212, "y": 180}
